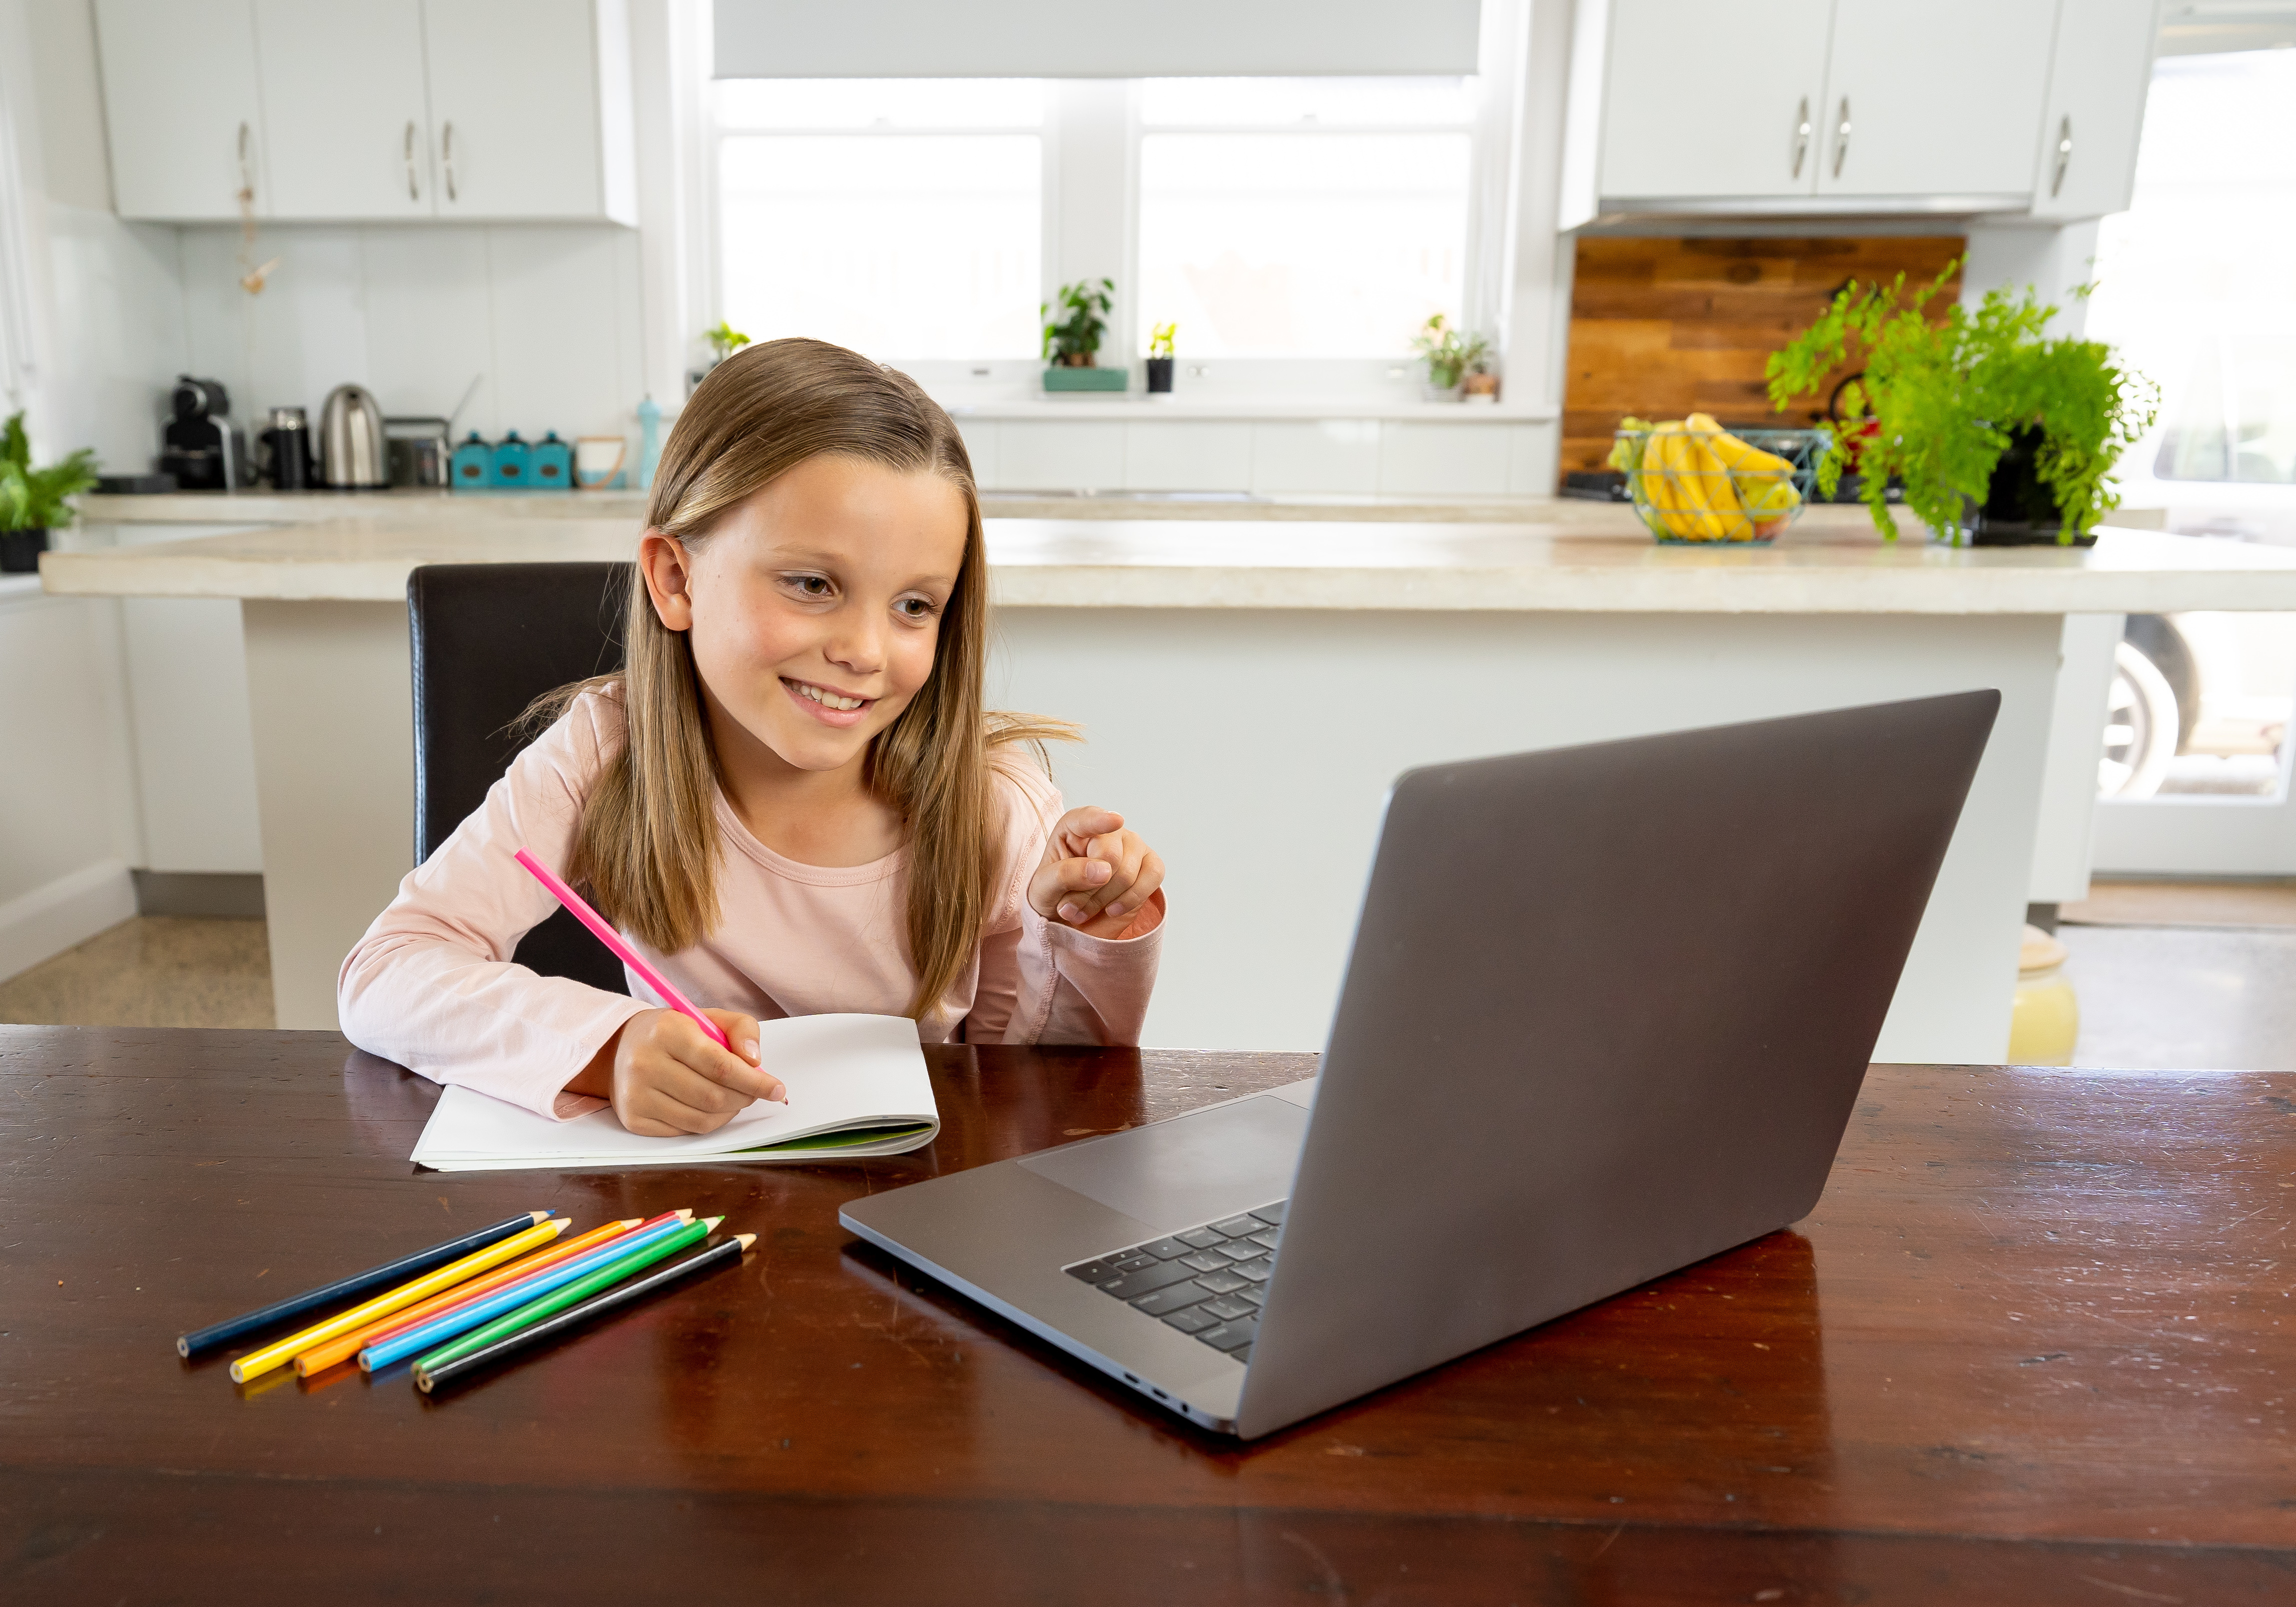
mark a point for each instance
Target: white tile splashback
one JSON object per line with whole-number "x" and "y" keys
{"x": 549, "y": 314}
{"x": 1360, "y": 457}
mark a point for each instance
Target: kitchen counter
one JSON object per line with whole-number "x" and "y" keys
{"x": 1302, "y": 665}
{"x": 1585, "y": 557}
{"x": 459, "y": 507}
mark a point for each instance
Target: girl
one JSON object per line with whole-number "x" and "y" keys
{"x": 790, "y": 801}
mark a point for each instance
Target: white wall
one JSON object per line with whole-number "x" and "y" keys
{"x": 546, "y": 316}
{"x": 106, "y": 331}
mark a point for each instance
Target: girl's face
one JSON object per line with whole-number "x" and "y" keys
{"x": 814, "y": 607}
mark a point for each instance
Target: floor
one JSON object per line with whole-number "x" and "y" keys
{"x": 153, "y": 970}
{"x": 2169, "y": 974}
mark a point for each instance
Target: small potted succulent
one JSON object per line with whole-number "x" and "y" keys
{"x": 2001, "y": 435}
{"x": 1449, "y": 357}
{"x": 1481, "y": 385}
{"x": 1159, "y": 358}
{"x": 1072, "y": 342}
{"x": 32, "y": 500}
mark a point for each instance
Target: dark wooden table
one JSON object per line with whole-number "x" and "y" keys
{"x": 2036, "y": 1345}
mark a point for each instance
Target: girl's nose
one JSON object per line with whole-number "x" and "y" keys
{"x": 856, "y": 645}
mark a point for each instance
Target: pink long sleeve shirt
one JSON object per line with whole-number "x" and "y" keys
{"x": 432, "y": 986}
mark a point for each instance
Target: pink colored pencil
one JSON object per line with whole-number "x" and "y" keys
{"x": 612, "y": 939}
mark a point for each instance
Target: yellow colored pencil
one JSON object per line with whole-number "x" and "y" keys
{"x": 321, "y": 1358}
{"x": 263, "y": 1361}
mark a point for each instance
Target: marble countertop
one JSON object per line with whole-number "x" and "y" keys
{"x": 1586, "y": 558}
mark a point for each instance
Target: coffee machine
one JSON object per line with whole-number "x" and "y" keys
{"x": 200, "y": 445}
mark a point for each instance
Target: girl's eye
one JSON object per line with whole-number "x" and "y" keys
{"x": 916, "y": 608}
{"x": 811, "y": 586}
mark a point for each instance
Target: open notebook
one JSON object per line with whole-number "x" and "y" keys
{"x": 856, "y": 1087}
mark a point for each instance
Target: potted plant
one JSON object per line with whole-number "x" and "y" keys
{"x": 32, "y": 500}
{"x": 1481, "y": 385}
{"x": 1998, "y": 433}
{"x": 1072, "y": 342}
{"x": 1159, "y": 358}
{"x": 1449, "y": 357}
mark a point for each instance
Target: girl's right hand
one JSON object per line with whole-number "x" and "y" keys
{"x": 669, "y": 1079}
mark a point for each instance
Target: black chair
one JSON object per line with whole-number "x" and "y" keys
{"x": 488, "y": 639}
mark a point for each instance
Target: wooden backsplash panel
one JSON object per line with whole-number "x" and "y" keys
{"x": 1662, "y": 328}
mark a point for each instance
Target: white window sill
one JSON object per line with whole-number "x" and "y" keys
{"x": 1135, "y": 407}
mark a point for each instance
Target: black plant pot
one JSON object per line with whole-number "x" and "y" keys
{"x": 1160, "y": 375}
{"x": 21, "y": 550}
{"x": 2019, "y": 509}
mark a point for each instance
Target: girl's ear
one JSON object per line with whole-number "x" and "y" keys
{"x": 669, "y": 570}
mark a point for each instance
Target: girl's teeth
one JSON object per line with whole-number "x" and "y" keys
{"x": 828, "y": 700}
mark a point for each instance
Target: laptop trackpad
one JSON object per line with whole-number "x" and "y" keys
{"x": 1189, "y": 1170}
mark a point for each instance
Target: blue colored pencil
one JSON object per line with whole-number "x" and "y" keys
{"x": 345, "y": 1290}
{"x": 709, "y": 1260}
{"x": 463, "y": 1318}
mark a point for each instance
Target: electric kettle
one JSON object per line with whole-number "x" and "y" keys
{"x": 352, "y": 452}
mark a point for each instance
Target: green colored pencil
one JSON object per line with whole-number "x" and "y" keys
{"x": 558, "y": 1299}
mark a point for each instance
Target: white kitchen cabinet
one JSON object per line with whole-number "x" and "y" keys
{"x": 343, "y": 95}
{"x": 182, "y": 107}
{"x": 2098, "y": 75}
{"x": 530, "y": 107}
{"x": 1734, "y": 116}
{"x": 1941, "y": 100}
{"x": 370, "y": 111}
{"x": 1815, "y": 107}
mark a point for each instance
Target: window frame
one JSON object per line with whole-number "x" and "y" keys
{"x": 718, "y": 131}
{"x": 1091, "y": 136}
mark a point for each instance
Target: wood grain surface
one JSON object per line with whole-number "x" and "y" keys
{"x": 2035, "y": 1346}
{"x": 1660, "y": 328}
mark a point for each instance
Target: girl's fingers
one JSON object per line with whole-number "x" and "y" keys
{"x": 1057, "y": 880}
{"x": 1122, "y": 852}
{"x": 1073, "y": 832}
{"x": 655, "y": 1113}
{"x": 741, "y": 1072}
{"x": 1145, "y": 881}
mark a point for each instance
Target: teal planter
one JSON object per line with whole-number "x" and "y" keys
{"x": 1087, "y": 378}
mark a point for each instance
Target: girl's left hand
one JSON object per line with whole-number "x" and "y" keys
{"x": 1095, "y": 876}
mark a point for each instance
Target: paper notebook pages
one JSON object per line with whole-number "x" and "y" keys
{"x": 856, "y": 1087}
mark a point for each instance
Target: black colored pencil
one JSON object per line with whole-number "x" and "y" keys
{"x": 346, "y": 1290}
{"x": 709, "y": 1260}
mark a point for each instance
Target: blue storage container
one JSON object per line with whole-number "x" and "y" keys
{"x": 512, "y": 458}
{"x": 474, "y": 464}
{"x": 552, "y": 468}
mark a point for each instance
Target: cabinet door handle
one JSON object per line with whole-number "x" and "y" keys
{"x": 1802, "y": 136}
{"x": 446, "y": 150}
{"x": 2064, "y": 155}
{"x": 246, "y": 170}
{"x": 1842, "y": 137}
{"x": 408, "y": 150}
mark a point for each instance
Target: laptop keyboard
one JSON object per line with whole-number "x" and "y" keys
{"x": 1207, "y": 1282}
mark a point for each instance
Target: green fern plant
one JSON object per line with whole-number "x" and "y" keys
{"x": 33, "y": 499}
{"x": 1948, "y": 394}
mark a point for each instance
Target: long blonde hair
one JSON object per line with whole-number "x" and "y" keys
{"x": 648, "y": 845}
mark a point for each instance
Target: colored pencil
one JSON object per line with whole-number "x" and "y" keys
{"x": 580, "y": 908}
{"x": 262, "y": 1361}
{"x": 709, "y": 1260}
{"x": 437, "y": 1330}
{"x": 342, "y": 1349}
{"x": 200, "y": 1341}
{"x": 573, "y": 1294}
{"x": 516, "y": 1272}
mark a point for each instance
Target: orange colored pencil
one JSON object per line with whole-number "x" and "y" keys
{"x": 323, "y": 1356}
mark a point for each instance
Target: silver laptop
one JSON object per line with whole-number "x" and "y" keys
{"x": 1606, "y": 1013}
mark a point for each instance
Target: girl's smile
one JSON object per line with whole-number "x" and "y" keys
{"x": 828, "y": 705}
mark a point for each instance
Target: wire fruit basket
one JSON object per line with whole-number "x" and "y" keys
{"x": 1695, "y": 483}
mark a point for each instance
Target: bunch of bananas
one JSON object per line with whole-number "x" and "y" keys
{"x": 1692, "y": 481}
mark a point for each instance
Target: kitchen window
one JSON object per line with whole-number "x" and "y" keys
{"x": 902, "y": 217}
{"x": 1303, "y": 217}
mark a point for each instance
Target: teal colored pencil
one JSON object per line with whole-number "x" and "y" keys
{"x": 558, "y": 1299}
